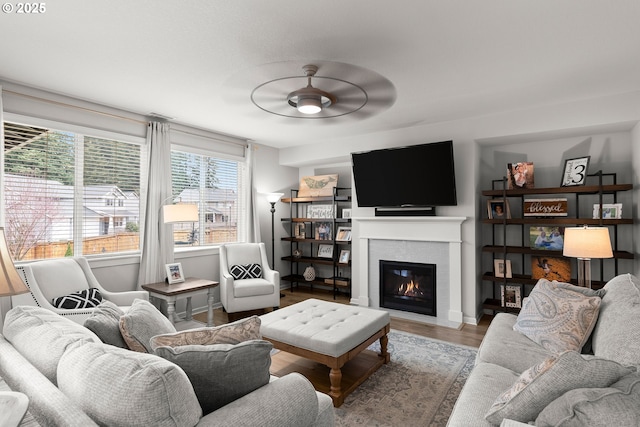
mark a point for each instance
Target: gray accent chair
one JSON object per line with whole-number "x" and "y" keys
{"x": 247, "y": 294}
{"x": 54, "y": 278}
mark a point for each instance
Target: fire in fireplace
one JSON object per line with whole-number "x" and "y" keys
{"x": 408, "y": 286}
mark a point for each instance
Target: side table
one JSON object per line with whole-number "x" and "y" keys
{"x": 13, "y": 406}
{"x": 187, "y": 289}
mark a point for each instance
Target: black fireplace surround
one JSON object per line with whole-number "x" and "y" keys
{"x": 408, "y": 286}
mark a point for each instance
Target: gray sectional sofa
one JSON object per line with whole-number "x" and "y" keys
{"x": 567, "y": 388}
{"x": 73, "y": 379}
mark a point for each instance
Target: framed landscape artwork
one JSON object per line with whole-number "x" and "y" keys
{"x": 551, "y": 268}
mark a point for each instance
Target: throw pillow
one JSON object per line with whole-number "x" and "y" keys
{"x": 43, "y": 336}
{"x": 613, "y": 406}
{"x": 557, "y": 318}
{"x": 86, "y": 298}
{"x": 141, "y": 322}
{"x": 105, "y": 323}
{"x": 231, "y": 333}
{"x": 222, "y": 373}
{"x": 543, "y": 383}
{"x": 248, "y": 271}
{"x": 118, "y": 387}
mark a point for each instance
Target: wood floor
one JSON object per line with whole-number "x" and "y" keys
{"x": 468, "y": 335}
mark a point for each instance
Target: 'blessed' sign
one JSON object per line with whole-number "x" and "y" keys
{"x": 545, "y": 207}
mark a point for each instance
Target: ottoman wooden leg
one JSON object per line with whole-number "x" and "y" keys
{"x": 384, "y": 340}
{"x": 335, "y": 377}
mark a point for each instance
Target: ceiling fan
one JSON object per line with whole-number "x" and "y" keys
{"x": 320, "y": 94}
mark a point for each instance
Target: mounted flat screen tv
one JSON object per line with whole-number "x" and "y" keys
{"x": 407, "y": 177}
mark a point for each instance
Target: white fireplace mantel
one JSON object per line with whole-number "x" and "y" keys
{"x": 442, "y": 229}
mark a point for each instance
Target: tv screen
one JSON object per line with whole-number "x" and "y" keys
{"x": 412, "y": 176}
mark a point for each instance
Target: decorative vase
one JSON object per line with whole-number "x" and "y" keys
{"x": 309, "y": 273}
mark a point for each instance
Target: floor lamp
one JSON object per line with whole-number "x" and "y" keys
{"x": 273, "y": 198}
{"x": 585, "y": 243}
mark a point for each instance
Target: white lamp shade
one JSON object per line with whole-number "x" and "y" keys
{"x": 274, "y": 197}
{"x": 587, "y": 242}
{"x": 10, "y": 281}
{"x": 180, "y": 213}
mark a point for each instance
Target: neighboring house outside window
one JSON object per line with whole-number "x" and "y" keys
{"x": 68, "y": 193}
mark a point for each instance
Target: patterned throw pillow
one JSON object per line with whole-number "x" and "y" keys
{"x": 541, "y": 384}
{"x": 141, "y": 322}
{"x": 231, "y": 333}
{"x": 87, "y": 298}
{"x": 248, "y": 271}
{"x": 557, "y": 317}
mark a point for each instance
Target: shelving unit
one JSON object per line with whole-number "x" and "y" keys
{"x": 501, "y": 225}
{"x": 330, "y": 271}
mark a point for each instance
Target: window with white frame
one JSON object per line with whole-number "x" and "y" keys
{"x": 68, "y": 193}
{"x": 216, "y": 186}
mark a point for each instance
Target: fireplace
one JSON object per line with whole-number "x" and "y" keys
{"x": 408, "y": 286}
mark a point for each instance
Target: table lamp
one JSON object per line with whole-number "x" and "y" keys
{"x": 10, "y": 281}
{"x": 585, "y": 243}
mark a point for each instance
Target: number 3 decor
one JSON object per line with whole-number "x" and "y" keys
{"x": 575, "y": 171}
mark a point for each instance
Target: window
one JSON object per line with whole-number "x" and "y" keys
{"x": 215, "y": 185}
{"x": 66, "y": 193}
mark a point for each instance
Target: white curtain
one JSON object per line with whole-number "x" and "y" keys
{"x": 253, "y": 220}
{"x": 157, "y": 238}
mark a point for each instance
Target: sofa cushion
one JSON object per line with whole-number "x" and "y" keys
{"x": 557, "y": 317}
{"x": 617, "y": 333}
{"x": 118, "y": 387}
{"x": 230, "y": 333}
{"x": 503, "y": 346}
{"x": 141, "y": 322}
{"x": 545, "y": 382}
{"x": 42, "y": 336}
{"x": 105, "y": 323}
{"x": 247, "y": 271}
{"x": 222, "y": 373}
{"x": 612, "y": 406}
{"x": 86, "y": 298}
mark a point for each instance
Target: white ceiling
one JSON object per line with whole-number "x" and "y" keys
{"x": 198, "y": 61}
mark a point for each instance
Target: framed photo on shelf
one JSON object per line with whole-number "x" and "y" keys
{"x": 511, "y": 296}
{"x": 609, "y": 211}
{"x": 343, "y": 234}
{"x": 498, "y": 208}
{"x": 346, "y": 213}
{"x": 575, "y": 171}
{"x": 546, "y": 238}
{"x": 174, "y": 273}
{"x": 502, "y": 269}
{"x": 323, "y": 231}
{"x": 551, "y": 268}
{"x": 325, "y": 251}
{"x": 520, "y": 175}
{"x": 344, "y": 256}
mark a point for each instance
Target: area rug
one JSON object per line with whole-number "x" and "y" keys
{"x": 419, "y": 386}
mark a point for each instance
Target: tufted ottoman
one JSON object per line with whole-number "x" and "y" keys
{"x": 328, "y": 333}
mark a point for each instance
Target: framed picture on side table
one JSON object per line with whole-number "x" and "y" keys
{"x": 174, "y": 273}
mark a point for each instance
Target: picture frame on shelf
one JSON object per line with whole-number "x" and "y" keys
{"x": 317, "y": 186}
{"x": 323, "y": 231}
{"x": 511, "y": 296}
{"x": 346, "y": 213}
{"x": 344, "y": 256}
{"x": 325, "y": 251}
{"x": 320, "y": 211}
{"x": 520, "y": 175}
{"x": 174, "y": 273}
{"x": 343, "y": 234}
{"x": 575, "y": 171}
{"x": 498, "y": 208}
{"x": 609, "y": 211}
{"x": 502, "y": 269}
{"x": 551, "y": 268}
{"x": 546, "y": 238}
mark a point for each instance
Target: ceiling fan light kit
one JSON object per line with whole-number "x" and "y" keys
{"x": 310, "y": 100}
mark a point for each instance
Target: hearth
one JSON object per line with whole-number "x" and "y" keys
{"x": 408, "y": 286}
